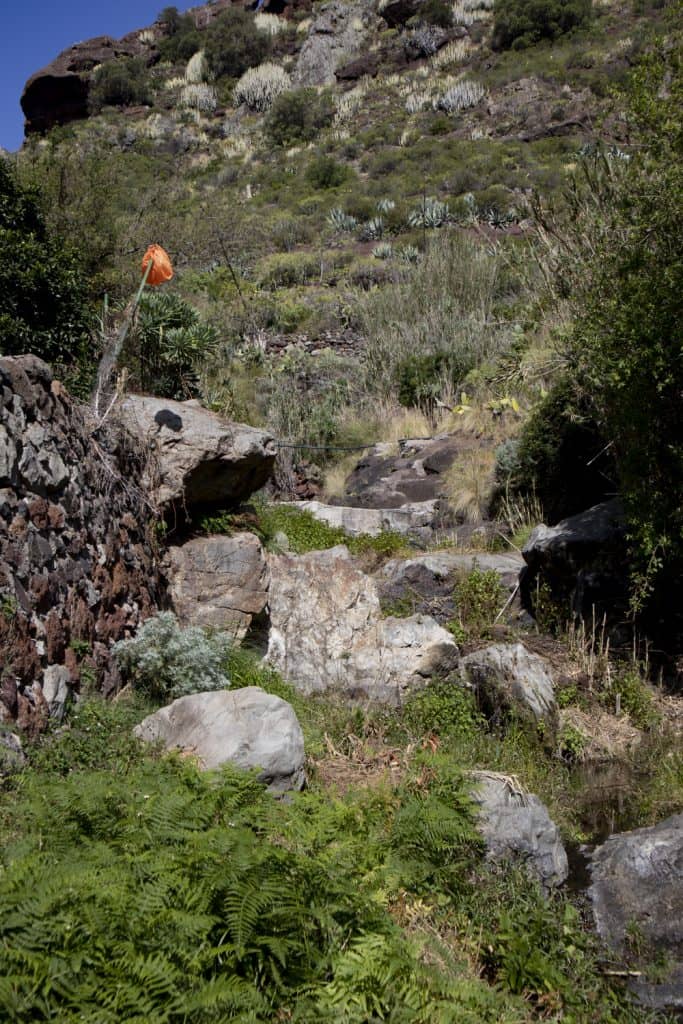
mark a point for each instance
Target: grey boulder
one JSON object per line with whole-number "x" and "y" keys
{"x": 516, "y": 826}
{"x": 200, "y": 460}
{"x": 510, "y": 680}
{"x": 248, "y": 728}
{"x": 219, "y": 582}
{"x": 637, "y": 890}
{"x": 327, "y": 632}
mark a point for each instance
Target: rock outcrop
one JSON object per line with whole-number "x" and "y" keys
{"x": 637, "y": 896}
{"x": 78, "y": 568}
{"x": 200, "y": 460}
{"x": 411, "y": 518}
{"x": 516, "y": 826}
{"x": 386, "y": 480}
{"x": 248, "y": 728}
{"x": 427, "y": 582}
{"x": 582, "y": 561}
{"x": 219, "y": 582}
{"x": 327, "y": 632}
{"x": 508, "y": 681}
{"x": 335, "y": 37}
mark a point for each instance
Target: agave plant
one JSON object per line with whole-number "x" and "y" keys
{"x": 409, "y": 254}
{"x": 431, "y": 213}
{"x": 373, "y": 230}
{"x": 340, "y": 220}
{"x": 383, "y": 251}
{"x": 386, "y": 206}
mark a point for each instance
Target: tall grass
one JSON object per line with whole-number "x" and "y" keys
{"x": 444, "y": 306}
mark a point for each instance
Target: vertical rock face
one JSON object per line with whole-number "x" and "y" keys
{"x": 77, "y": 566}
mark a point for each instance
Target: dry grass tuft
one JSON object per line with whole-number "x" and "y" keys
{"x": 470, "y": 483}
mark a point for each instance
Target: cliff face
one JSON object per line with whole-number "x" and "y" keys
{"x": 77, "y": 564}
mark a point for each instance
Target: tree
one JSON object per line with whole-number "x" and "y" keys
{"x": 621, "y": 266}
{"x": 43, "y": 296}
{"x": 522, "y": 23}
{"x": 234, "y": 44}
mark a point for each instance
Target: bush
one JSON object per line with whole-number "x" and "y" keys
{"x": 234, "y": 43}
{"x": 259, "y": 87}
{"x": 522, "y": 23}
{"x": 164, "y": 661}
{"x": 119, "y": 83}
{"x": 167, "y": 346}
{"x": 298, "y": 116}
{"x": 445, "y": 708}
{"x": 479, "y": 598}
{"x": 437, "y": 12}
{"x": 283, "y": 270}
{"x": 182, "y": 39}
{"x": 324, "y": 172}
{"x": 43, "y": 289}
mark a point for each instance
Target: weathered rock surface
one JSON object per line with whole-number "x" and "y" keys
{"x": 200, "y": 460}
{"x": 385, "y": 480}
{"x": 12, "y": 757}
{"x": 327, "y": 632}
{"x": 516, "y": 825}
{"x": 638, "y": 886}
{"x": 427, "y": 581}
{"x": 248, "y": 728}
{"x": 335, "y": 37}
{"x": 219, "y": 582}
{"x": 58, "y": 93}
{"x": 508, "y": 679}
{"x": 410, "y": 518}
{"x": 77, "y": 566}
{"x": 583, "y": 560}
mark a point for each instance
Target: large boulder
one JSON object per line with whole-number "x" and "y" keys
{"x": 385, "y": 479}
{"x": 219, "y": 582}
{"x": 200, "y": 460}
{"x": 336, "y": 36}
{"x": 248, "y": 728}
{"x": 637, "y": 898}
{"x": 516, "y": 826}
{"x": 427, "y": 581}
{"x": 582, "y": 561}
{"x": 327, "y": 632}
{"x": 510, "y": 680}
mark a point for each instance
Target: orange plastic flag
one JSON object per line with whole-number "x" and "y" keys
{"x": 161, "y": 269}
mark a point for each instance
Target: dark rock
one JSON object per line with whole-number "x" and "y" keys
{"x": 384, "y": 480}
{"x": 367, "y": 65}
{"x": 583, "y": 561}
{"x": 637, "y": 893}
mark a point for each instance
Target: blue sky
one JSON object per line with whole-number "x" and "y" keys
{"x": 33, "y": 32}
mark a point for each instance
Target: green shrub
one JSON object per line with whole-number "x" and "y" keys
{"x": 284, "y": 270}
{"x": 164, "y": 661}
{"x": 43, "y": 288}
{"x": 119, "y": 83}
{"x": 325, "y": 172}
{"x": 436, "y": 12}
{"x": 479, "y": 597}
{"x": 298, "y": 116}
{"x": 234, "y": 43}
{"x": 522, "y": 23}
{"x": 182, "y": 39}
{"x": 444, "y": 708}
{"x": 167, "y": 346}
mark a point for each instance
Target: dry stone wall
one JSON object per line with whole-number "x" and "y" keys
{"x": 78, "y": 568}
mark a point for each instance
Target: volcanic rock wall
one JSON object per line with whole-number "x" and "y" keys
{"x": 77, "y": 560}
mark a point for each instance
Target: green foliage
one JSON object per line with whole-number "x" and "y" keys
{"x": 168, "y": 345}
{"x": 635, "y": 697}
{"x": 444, "y": 708}
{"x": 234, "y": 43}
{"x": 298, "y": 116}
{"x": 305, "y": 533}
{"x": 182, "y": 39}
{"x": 43, "y": 293}
{"x": 479, "y": 597}
{"x": 285, "y": 269}
{"x": 523, "y": 23}
{"x": 119, "y": 83}
{"x": 561, "y": 455}
{"x": 163, "y": 660}
{"x": 324, "y": 172}
{"x": 436, "y": 12}
{"x": 420, "y": 379}
{"x": 623, "y": 270}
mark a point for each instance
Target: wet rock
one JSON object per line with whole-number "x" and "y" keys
{"x": 509, "y": 680}
{"x": 637, "y": 896}
{"x": 219, "y": 582}
{"x": 327, "y": 632}
{"x": 248, "y": 728}
{"x": 200, "y": 460}
{"x": 516, "y": 826}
